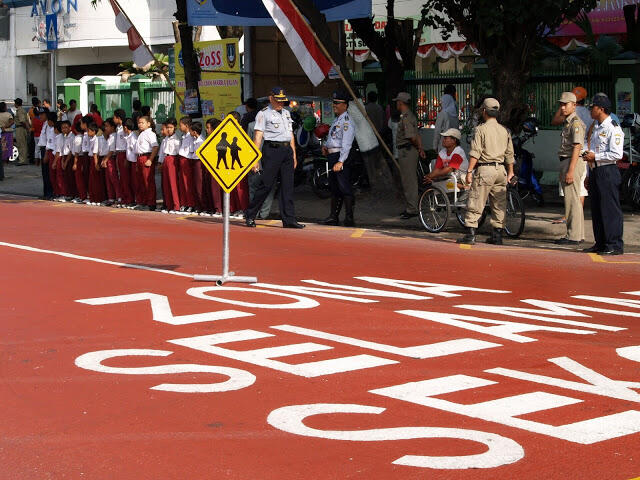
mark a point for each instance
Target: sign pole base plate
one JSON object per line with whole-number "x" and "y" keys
{"x": 222, "y": 279}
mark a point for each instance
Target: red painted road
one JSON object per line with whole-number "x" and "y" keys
{"x": 64, "y": 415}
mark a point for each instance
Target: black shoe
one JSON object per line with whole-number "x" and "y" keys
{"x": 142, "y": 208}
{"x": 593, "y": 249}
{"x": 189, "y": 210}
{"x": 566, "y": 241}
{"x": 611, "y": 251}
{"x": 250, "y": 222}
{"x": 469, "y": 238}
{"x": 407, "y": 215}
{"x": 152, "y": 208}
{"x": 183, "y": 209}
{"x": 496, "y": 237}
{"x": 293, "y": 225}
{"x": 330, "y": 221}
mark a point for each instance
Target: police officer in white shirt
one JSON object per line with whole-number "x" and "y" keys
{"x": 604, "y": 148}
{"x": 337, "y": 149}
{"x": 274, "y": 125}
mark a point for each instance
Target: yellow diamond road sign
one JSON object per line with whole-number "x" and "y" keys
{"x": 228, "y": 153}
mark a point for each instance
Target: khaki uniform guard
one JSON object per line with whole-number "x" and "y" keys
{"x": 572, "y": 169}
{"x": 22, "y": 126}
{"x": 409, "y": 147}
{"x": 491, "y": 151}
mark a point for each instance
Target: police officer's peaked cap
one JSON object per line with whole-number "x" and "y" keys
{"x": 279, "y": 95}
{"x": 601, "y": 101}
{"x": 491, "y": 104}
{"x": 341, "y": 96}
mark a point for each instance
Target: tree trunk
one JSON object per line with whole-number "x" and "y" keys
{"x": 509, "y": 84}
{"x": 189, "y": 56}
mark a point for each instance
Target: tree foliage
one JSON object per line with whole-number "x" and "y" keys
{"x": 507, "y": 33}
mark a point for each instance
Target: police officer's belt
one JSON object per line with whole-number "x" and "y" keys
{"x": 333, "y": 150}
{"x": 562, "y": 159}
{"x": 277, "y": 144}
{"x": 492, "y": 164}
{"x": 406, "y": 145}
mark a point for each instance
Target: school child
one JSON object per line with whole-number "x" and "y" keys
{"x": 185, "y": 178}
{"x": 57, "y": 174}
{"x": 202, "y": 195}
{"x": 37, "y": 123}
{"x": 47, "y": 186}
{"x": 96, "y": 174}
{"x": 169, "y": 149}
{"x": 87, "y": 159}
{"x": 214, "y": 186}
{"x": 52, "y": 135}
{"x": 124, "y": 167}
{"x": 79, "y": 163}
{"x": 147, "y": 150}
{"x": 109, "y": 164}
{"x": 131, "y": 137}
{"x": 61, "y": 159}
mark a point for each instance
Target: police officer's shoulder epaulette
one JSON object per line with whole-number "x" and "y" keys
{"x": 614, "y": 123}
{"x": 265, "y": 108}
{"x": 346, "y": 117}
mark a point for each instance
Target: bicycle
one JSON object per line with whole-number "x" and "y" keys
{"x": 435, "y": 206}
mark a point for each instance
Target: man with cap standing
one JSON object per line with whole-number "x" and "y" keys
{"x": 337, "y": 148}
{"x": 23, "y": 125}
{"x": 572, "y": 169}
{"x": 274, "y": 126}
{"x": 409, "y": 147}
{"x": 604, "y": 149}
{"x": 491, "y": 151}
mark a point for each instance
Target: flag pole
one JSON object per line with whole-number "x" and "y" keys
{"x": 155, "y": 60}
{"x": 351, "y": 92}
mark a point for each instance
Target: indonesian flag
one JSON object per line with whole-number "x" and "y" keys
{"x": 300, "y": 38}
{"x": 141, "y": 54}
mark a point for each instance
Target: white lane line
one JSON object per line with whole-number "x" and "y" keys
{"x": 96, "y": 260}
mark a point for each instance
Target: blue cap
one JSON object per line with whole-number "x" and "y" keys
{"x": 279, "y": 95}
{"x": 601, "y": 101}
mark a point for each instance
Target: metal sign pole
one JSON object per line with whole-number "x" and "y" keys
{"x": 226, "y": 276}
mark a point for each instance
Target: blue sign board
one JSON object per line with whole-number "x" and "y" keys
{"x": 52, "y": 31}
{"x": 253, "y": 12}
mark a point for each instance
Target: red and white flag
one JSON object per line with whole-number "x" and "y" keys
{"x": 300, "y": 38}
{"x": 141, "y": 54}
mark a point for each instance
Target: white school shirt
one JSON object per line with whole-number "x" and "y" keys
{"x": 85, "y": 142}
{"x": 132, "y": 140}
{"x": 42, "y": 139}
{"x": 121, "y": 143}
{"x": 68, "y": 144}
{"x": 185, "y": 145}
{"x": 51, "y": 139}
{"x": 109, "y": 145}
{"x": 93, "y": 145}
{"x": 161, "y": 153}
{"x": 171, "y": 145}
{"x": 76, "y": 149}
{"x": 147, "y": 140}
{"x": 196, "y": 144}
{"x": 59, "y": 144}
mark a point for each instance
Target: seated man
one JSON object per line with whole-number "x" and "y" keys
{"x": 450, "y": 159}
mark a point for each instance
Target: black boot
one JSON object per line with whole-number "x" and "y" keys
{"x": 496, "y": 237}
{"x": 349, "y": 202}
{"x": 334, "y": 216}
{"x": 469, "y": 238}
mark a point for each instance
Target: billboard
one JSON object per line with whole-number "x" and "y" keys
{"x": 606, "y": 19}
{"x": 253, "y": 13}
{"x": 220, "y": 87}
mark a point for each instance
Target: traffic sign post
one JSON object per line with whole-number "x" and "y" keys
{"x": 229, "y": 154}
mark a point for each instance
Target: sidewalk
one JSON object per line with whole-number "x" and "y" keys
{"x": 382, "y": 213}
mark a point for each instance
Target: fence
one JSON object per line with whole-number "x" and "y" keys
{"x": 161, "y": 99}
{"x": 541, "y": 93}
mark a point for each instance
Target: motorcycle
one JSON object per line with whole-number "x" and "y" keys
{"x": 527, "y": 182}
{"x": 630, "y": 164}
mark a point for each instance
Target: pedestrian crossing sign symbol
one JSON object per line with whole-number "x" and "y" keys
{"x": 229, "y": 154}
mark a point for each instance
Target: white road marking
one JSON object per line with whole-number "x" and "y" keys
{"x": 96, "y": 260}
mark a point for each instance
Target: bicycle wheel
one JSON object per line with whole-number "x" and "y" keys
{"x": 634, "y": 190}
{"x": 514, "y": 217}
{"x": 434, "y": 209}
{"x": 462, "y": 211}
{"x": 320, "y": 182}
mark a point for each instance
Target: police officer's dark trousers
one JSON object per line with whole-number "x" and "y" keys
{"x": 606, "y": 213}
{"x": 276, "y": 159}
{"x": 341, "y": 190}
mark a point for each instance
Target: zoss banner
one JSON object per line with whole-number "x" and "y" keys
{"x": 220, "y": 88}
{"x": 253, "y": 13}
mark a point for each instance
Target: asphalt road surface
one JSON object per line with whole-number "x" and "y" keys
{"x": 358, "y": 355}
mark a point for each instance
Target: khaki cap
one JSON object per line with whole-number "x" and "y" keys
{"x": 568, "y": 97}
{"x": 403, "y": 97}
{"x": 491, "y": 104}
{"x": 452, "y": 132}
